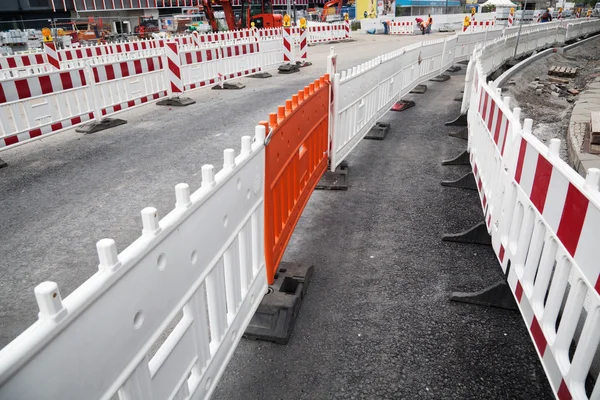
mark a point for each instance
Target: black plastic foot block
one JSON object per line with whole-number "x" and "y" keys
{"x": 93, "y": 127}
{"x": 229, "y": 86}
{"x": 440, "y": 78}
{"x": 402, "y": 105}
{"x": 462, "y": 134}
{"x": 337, "y": 180}
{"x": 419, "y": 89}
{"x": 302, "y": 64}
{"x": 464, "y": 182}
{"x": 176, "y": 102}
{"x": 496, "y": 295}
{"x": 454, "y": 68}
{"x": 461, "y": 120}
{"x": 461, "y": 159}
{"x": 274, "y": 319}
{"x": 3, "y": 163}
{"x": 464, "y": 62}
{"x": 378, "y": 132}
{"x": 288, "y": 68}
{"x": 458, "y": 97}
{"x": 477, "y": 234}
{"x": 260, "y": 75}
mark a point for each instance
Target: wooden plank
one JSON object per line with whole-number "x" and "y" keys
{"x": 595, "y": 124}
{"x": 558, "y": 80}
{"x": 552, "y": 70}
{"x": 561, "y": 71}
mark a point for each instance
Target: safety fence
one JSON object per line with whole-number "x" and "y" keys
{"x": 48, "y": 102}
{"x": 197, "y": 276}
{"x": 401, "y": 27}
{"x": 544, "y": 221}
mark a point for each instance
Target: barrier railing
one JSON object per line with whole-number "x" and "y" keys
{"x": 543, "y": 218}
{"x": 402, "y": 27}
{"x": 296, "y": 158}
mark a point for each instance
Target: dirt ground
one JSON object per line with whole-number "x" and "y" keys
{"x": 551, "y": 114}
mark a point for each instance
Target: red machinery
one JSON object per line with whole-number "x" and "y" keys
{"x": 331, "y": 3}
{"x": 258, "y": 11}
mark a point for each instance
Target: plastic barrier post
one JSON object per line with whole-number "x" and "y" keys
{"x": 52, "y": 54}
{"x": 172, "y": 66}
{"x": 303, "y": 44}
{"x": 288, "y": 41}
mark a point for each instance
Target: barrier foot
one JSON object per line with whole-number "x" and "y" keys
{"x": 464, "y": 182}
{"x": 458, "y": 97}
{"x": 176, "y": 102}
{"x": 97, "y": 126}
{"x": 454, "y": 68}
{"x": 288, "y": 68}
{"x": 3, "y": 163}
{"x": 302, "y": 64}
{"x": 378, "y": 132}
{"x": 260, "y": 75}
{"x": 463, "y": 62}
{"x": 337, "y": 180}
{"x": 461, "y": 120}
{"x": 274, "y": 319}
{"x": 419, "y": 89}
{"x": 461, "y": 159}
{"x": 440, "y": 78}
{"x": 477, "y": 234}
{"x": 497, "y": 295}
{"x": 229, "y": 86}
{"x": 402, "y": 105}
{"x": 462, "y": 134}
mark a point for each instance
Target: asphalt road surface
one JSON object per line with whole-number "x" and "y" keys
{"x": 376, "y": 322}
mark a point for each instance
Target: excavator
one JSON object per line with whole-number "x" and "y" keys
{"x": 331, "y": 3}
{"x": 258, "y": 11}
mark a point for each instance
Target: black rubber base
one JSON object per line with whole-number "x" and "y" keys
{"x": 419, "y": 89}
{"x": 260, "y": 75}
{"x": 477, "y": 234}
{"x": 462, "y": 134}
{"x": 458, "y": 97}
{"x": 378, "y": 132}
{"x": 461, "y": 159}
{"x": 337, "y": 180}
{"x": 93, "y": 127}
{"x": 229, "y": 86}
{"x": 440, "y": 78}
{"x": 461, "y": 120}
{"x": 275, "y": 317}
{"x": 496, "y": 295}
{"x": 464, "y": 62}
{"x": 288, "y": 68}
{"x": 454, "y": 68}
{"x": 3, "y": 163}
{"x": 176, "y": 102}
{"x": 464, "y": 182}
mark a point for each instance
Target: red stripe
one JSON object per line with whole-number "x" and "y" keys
{"x": 110, "y": 72}
{"x": 541, "y": 181}
{"x": 519, "y": 292}
{"x": 150, "y": 64}
{"x": 34, "y": 133}
{"x": 481, "y": 101}
{"x": 563, "y": 392}
{"x": 485, "y": 104}
{"x": 209, "y": 55}
{"x": 12, "y": 140}
{"x": 156, "y": 96}
{"x": 499, "y": 121}
{"x": 96, "y": 76}
{"x": 55, "y": 127}
{"x": 144, "y": 100}
{"x": 501, "y": 253}
{"x": 12, "y": 62}
{"x": 131, "y": 103}
{"x": 23, "y": 91}
{"x": 538, "y": 336}
{"x": 479, "y": 184}
{"x": 45, "y": 84}
{"x": 491, "y": 116}
{"x": 117, "y": 108}
{"x": 124, "y": 69}
{"x": 75, "y": 121}
{"x": 519, "y": 170}
{"x": 571, "y": 221}
{"x": 137, "y": 64}
{"x": 484, "y": 201}
{"x": 26, "y": 61}
{"x": 65, "y": 78}
{"x": 188, "y": 58}
{"x": 2, "y": 95}
{"x": 82, "y": 77}
{"x": 39, "y": 59}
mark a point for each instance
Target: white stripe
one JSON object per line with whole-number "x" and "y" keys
{"x": 56, "y": 82}
{"x": 528, "y": 171}
{"x": 586, "y": 255}
{"x": 34, "y": 86}
{"x": 101, "y": 73}
{"x": 555, "y": 199}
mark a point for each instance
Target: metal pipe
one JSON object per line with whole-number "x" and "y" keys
{"x": 520, "y": 27}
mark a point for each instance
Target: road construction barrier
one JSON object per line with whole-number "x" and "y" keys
{"x": 296, "y": 158}
{"x": 183, "y": 279}
{"x": 43, "y": 104}
{"x": 22, "y": 61}
{"x": 288, "y": 45}
{"x": 482, "y": 25}
{"x": 401, "y": 27}
{"x": 543, "y": 218}
{"x": 240, "y": 60}
{"x": 200, "y": 67}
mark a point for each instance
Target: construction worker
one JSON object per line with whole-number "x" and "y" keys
{"x": 546, "y": 16}
{"x": 429, "y": 23}
{"x": 421, "y": 24}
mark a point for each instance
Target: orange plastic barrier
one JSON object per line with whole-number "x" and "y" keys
{"x": 296, "y": 158}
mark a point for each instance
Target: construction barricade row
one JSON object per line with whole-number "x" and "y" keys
{"x": 401, "y": 27}
{"x": 544, "y": 220}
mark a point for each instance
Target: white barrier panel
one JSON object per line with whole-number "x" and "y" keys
{"x": 20, "y": 61}
{"x": 128, "y": 84}
{"x": 200, "y": 67}
{"x": 544, "y": 220}
{"x": 43, "y": 104}
{"x": 197, "y": 276}
{"x": 431, "y": 59}
{"x": 401, "y": 27}
{"x": 240, "y": 60}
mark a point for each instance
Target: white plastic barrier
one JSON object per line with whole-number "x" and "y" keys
{"x": 401, "y": 27}
{"x": 183, "y": 277}
{"x": 363, "y": 94}
{"x": 544, "y": 220}
{"x": 200, "y": 67}
{"x": 43, "y": 104}
{"x": 240, "y": 60}
{"x": 124, "y": 85}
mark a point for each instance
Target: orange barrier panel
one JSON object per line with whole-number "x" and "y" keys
{"x": 296, "y": 158}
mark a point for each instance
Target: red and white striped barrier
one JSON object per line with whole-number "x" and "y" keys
{"x": 401, "y": 27}
{"x": 482, "y": 25}
{"x": 511, "y": 18}
{"x": 288, "y": 45}
{"x": 347, "y": 29}
{"x": 173, "y": 68}
{"x": 20, "y": 61}
{"x": 240, "y": 60}
{"x": 52, "y": 55}
{"x": 43, "y": 104}
{"x": 303, "y": 45}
